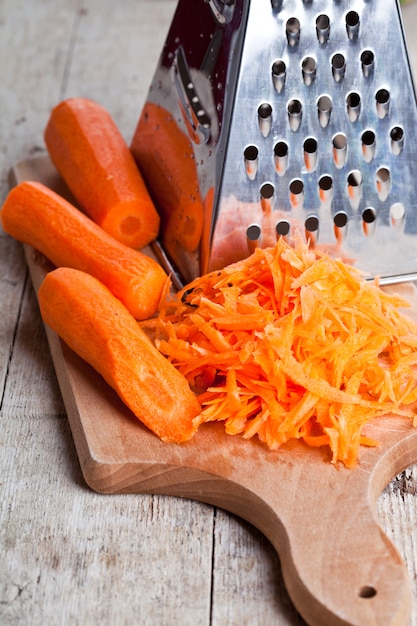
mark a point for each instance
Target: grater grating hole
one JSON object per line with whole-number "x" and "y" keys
{"x": 352, "y": 24}
{"x": 340, "y": 219}
{"x": 383, "y": 182}
{"x": 267, "y": 193}
{"x": 368, "y": 145}
{"x": 310, "y": 153}
{"x": 311, "y": 226}
{"x": 323, "y": 28}
{"x": 382, "y": 100}
{"x": 281, "y": 157}
{"x": 251, "y": 161}
{"x": 253, "y": 232}
{"x": 397, "y": 139}
{"x": 279, "y": 73}
{"x": 340, "y": 147}
{"x": 312, "y": 223}
{"x": 397, "y": 215}
{"x": 367, "y": 62}
{"x": 296, "y": 189}
{"x": 265, "y": 110}
{"x": 338, "y": 62}
{"x": 265, "y": 118}
{"x": 354, "y": 183}
{"x": 253, "y": 237}
{"x": 282, "y": 228}
{"x": 369, "y": 215}
{"x": 324, "y": 109}
{"x": 325, "y": 188}
{"x": 309, "y": 70}
{"x": 267, "y": 190}
{"x": 293, "y": 29}
{"x": 353, "y": 105}
{"x": 295, "y": 112}
{"x": 368, "y": 220}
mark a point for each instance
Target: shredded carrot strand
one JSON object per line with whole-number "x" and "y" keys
{"x": 292, "y": 344}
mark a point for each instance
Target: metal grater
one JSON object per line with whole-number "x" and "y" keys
{"x": 286, "y": 118}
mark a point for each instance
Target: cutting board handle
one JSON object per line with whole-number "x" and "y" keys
{"x": 339, "y": 567}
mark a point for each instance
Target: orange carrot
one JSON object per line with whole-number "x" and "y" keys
{"x": 99, "y": 328}
{"x": 292, "y": 344}
{"x": 166, "y": 159}
{"x": 92, "y": 157}
{"x": 34, "y": 214}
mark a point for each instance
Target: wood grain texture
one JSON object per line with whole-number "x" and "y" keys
{"x": 69, "y": 555}
{"x": 338, "y": 566}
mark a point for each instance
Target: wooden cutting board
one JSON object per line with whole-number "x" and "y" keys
{"x": 339, "y": 566}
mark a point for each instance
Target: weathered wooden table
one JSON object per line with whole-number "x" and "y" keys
{"x": 69, "y": 555}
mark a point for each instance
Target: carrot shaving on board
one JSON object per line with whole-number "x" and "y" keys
{"x": 292, "y": 344}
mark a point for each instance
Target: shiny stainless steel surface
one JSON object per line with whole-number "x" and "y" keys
{"x": 301, "y": 119}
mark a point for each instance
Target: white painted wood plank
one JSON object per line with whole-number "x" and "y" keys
{"x": 117, "y": 47}
{"x": 397, "y": 506}
{"x": 27, "y": 90}
{"x": 69, "y": 555}
{"x": 34, "y": 40}
{"x": 31, "y": 388}
{"x": 248, "y": 587}
{"x": 72, "y": 556}
{"x": 397, "y": 514}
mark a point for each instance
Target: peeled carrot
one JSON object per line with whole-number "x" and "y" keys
{"x": 99, "y": 328}
{"x": 165, "y": 157}
{"x": 34, "y": 214}
{"x": 293, "y": 344}
{"x": 92, "y": 157}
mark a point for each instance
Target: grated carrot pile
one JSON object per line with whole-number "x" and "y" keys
{"x": 292, "y": 344}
